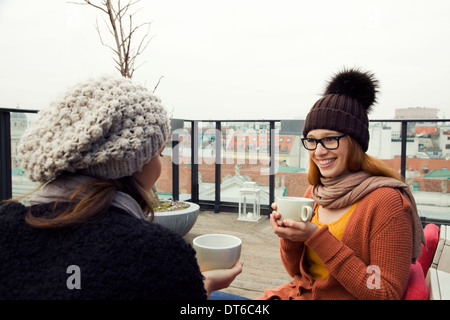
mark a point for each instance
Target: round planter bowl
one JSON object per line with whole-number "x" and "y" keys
{"x": 180, "y": 221}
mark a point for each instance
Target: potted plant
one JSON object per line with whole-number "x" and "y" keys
{"x": 178, "y": 216}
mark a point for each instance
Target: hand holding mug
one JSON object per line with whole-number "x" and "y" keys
{"x": 295, "y": 208}
{"x": 293, "y": 227}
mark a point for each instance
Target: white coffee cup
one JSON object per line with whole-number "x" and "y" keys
{"x": 295, "y": 208}
{"x": 217, "y": 251}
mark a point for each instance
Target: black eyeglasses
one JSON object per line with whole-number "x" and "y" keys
{"x": 329, "y": 143}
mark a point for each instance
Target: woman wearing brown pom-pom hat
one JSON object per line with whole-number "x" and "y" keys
{"x": 365, "y": 231}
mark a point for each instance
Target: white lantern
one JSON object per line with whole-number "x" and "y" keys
{"x": 249, "y": 202}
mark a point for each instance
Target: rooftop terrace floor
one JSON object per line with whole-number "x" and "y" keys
{"x": 260, "y": 251}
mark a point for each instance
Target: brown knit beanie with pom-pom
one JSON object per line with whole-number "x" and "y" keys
{"x": 344, "y": 107}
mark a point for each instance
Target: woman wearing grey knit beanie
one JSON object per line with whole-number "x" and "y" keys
{"x": 96, "y": 151}
{"x": 365, "y": 231}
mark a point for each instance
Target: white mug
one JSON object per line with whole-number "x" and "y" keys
{"x": 295, "y": 208}
{"x": 217, "y": 251}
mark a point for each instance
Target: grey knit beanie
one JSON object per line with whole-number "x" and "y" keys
{"x": 108, "y": 127}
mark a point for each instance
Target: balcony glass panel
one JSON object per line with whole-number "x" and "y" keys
{"x": 206, "y": 160}
{"x": 20, "y": 183}
{"x": 427, "y": 161}
{"x": 182, "y": 151}
{"x": 293, "y": 160}
{"x": 245, "y": 158}
{"x": 164, "y": 184}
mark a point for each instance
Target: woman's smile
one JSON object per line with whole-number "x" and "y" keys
{"x": 325, "y": 163}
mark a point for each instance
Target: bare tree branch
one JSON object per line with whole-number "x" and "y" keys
{"x": 123, "y": 38}
{"x": 87, "y": 2}
{"x": 157, "y": 84}
{"x": 101, "y": 39}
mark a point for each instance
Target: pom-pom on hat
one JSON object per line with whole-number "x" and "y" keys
{"x": 108, "y": 127}
{"x": 346, "y": 102}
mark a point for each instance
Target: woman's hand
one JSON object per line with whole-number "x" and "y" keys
{"x": 221, "y": 278}
{"x": 289, "y": 229}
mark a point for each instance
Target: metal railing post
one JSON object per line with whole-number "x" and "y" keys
{"x": 218, "y": 154}
{"x": 403, "y": 148}
{"x": 5, "y": 156}
{"x": 194, "y": 162}
{"x": 272, "y": 163}
{"x": 175, "y": 167}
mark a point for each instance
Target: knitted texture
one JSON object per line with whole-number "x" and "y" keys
{"x": 108, "y": 127}
{"x": 118, "y": 255}
{"x": 347, "y": 100}
{"x": 339, "y": 113}
{"x": 371, "y": 261}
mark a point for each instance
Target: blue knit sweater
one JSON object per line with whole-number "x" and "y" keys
{"x": 115, "y": 256}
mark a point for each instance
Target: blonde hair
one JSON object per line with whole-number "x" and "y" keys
{"x": 357, "y": 160}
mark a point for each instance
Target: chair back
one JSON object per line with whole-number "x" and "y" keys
{"x": 431, "y": 232}
{"x": 417, "y": 288}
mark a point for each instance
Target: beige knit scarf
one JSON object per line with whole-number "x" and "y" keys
{"x": 346, "y": 189}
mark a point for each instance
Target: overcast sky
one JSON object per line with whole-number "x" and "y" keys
{"x": 236, "y": 59}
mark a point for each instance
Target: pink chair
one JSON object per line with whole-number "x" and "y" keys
{"x": 417, "y": 288}
{"x": 431, "y": 232}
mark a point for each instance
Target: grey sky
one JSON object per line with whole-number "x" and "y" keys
{"x": 236, "y": 59}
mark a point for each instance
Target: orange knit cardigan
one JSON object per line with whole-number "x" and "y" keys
{"x": 371, "y": 261}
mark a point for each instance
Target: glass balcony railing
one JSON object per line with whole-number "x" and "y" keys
{"x": 208, "y": 162}
{"x": 13, "y": 181}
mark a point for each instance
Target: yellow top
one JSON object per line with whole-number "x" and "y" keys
{"x": 317, "y": 268}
